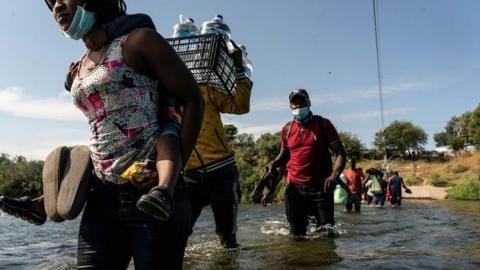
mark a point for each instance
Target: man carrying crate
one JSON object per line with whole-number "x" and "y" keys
{"x": 211, "y": 173}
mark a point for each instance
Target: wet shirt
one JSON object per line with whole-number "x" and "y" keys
{"x": 310, "y": 163}
{"x": 355, "y": 178}
{"x": 121, "y": 106}
{"x": 396, "y": 184}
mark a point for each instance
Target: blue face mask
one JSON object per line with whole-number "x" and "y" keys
{"x": 301, "y": 113}
{"x": 82, "y": 22}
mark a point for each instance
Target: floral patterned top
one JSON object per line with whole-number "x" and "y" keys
{"x": 121, "y": 106}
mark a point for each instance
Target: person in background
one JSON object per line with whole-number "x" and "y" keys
{"x": 355, "y": 179}
{"x": 395, "y": 186}
{"x": 305, "y": 145}
{"x": 379, "y": 198}
{"x": 367, "y": 193}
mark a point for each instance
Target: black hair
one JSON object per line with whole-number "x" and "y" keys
{"x": 105, "y": 10}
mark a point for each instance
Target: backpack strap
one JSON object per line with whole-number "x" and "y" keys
{"x": 322, "y": 133}
{"x": 288, "y": 128}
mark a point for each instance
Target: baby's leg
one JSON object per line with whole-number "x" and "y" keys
{"x": 168, "y": 161}
{"x": 158, "y": 203}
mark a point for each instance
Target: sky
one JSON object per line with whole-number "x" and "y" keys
{"x": 429, "y": 49}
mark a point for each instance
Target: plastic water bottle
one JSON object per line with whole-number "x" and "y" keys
{"x": 217, "y": 25}
{"x": 246, "y": 62}
{"x": 185, "y": 28}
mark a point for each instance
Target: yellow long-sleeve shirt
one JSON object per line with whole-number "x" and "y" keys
{"x": 211, "y": 149}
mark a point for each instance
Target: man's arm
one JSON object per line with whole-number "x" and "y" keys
{"x": 240, "y": 102}
{"x": 280, "y": 160}
{"x": 404, "y": 186}
{"x": 341, "y": 158}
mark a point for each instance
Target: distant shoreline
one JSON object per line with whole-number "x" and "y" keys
{"x": 426, "y": 193}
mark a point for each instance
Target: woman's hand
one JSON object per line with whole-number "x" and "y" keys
{"x": 71, "y": 74}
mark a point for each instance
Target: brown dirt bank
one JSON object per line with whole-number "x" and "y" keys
{"x": 426, "y": 192}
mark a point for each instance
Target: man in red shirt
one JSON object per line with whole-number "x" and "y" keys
{"x": 305, "y": 143}
{"x": 355, "y": 179}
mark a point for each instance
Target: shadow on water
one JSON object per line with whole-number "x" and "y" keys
{"x": 421, "y": 235}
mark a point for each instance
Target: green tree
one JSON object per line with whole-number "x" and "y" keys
{"x": 474, "y": 126}
{"x": 458, "y": 129}
{"x": 400, "y": 137}
{"x": 231, "y": 131}
{"x": 456, "y": 143}
{"x": 267, "y": 147}
{"x": 19, "y": 177}
{"x": 353, "y": 145}
{"x": 441, "y": 138}
{"x": 246, "y": 157}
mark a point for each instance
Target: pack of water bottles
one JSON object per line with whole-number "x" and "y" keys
{"x": 206, "y": 52}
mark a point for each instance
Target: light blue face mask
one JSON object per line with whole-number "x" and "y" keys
{"x": 82, "y": 22}
{"x": 301, "y": 113}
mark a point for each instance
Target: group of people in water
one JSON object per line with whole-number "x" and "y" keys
{"x": 153, "y": 172}
{"x": 376, "y": 188}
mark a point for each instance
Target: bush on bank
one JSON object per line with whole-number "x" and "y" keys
{"x": 465, "y": 190}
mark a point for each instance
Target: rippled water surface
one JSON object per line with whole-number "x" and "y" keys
{"x": 424, "y": 234}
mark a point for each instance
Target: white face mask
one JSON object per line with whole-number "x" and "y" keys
{"x": 82, "y": 22}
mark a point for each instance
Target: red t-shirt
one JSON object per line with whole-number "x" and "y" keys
{"x": 355, "y": 178}
{"x": 309, "y": 164}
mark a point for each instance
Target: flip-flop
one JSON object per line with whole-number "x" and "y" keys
{"x": 76, "y": 183}
{"x": 21, "y": 208}
{"x": 257, "y": 192}
{"x": 53, "y": 170}
{"x": 266, "y": 186}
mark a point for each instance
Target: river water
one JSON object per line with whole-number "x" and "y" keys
{"x": 421, "y": 235}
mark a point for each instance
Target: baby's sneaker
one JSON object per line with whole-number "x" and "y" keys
{"x": 156, "y": 203}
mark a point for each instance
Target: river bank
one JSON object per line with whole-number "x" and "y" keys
{"x": 426, "y": 193}
{"x": 432, "y": 179}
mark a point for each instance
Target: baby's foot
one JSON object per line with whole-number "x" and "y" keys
{"x": 156, "y": 203}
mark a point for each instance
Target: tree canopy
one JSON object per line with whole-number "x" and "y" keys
{"x": 460, "y": 131}
{"x": 400, "y": 137}
{"x": 19, "y": 177}
{"x": 474, "y": 126}
{"x": 353, "y": 145}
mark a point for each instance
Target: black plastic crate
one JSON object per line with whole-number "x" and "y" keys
{"x": 207, "y": 57}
